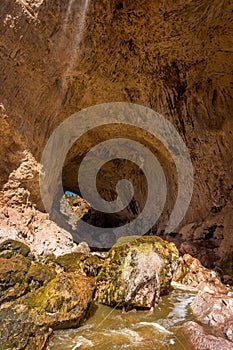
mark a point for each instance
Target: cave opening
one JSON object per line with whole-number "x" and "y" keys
{"x": 107, "y": 178}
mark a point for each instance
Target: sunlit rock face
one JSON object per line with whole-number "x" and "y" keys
{"x": 136, "y": 272}
{"x": 59, "y": 57}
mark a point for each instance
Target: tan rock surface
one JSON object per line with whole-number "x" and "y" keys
{"x": 174, "y": 57}
{"x": 190, "y": 272}
{"x": 216, "y": 311}
{"x": 201, "y": 340}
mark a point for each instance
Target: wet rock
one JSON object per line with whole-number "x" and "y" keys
{"x": 13, "y": 273}
{"x": 216, "y": 311}
{"x": 76, "y": 262}
{"x": 191, "y": 272}
{"x": 11, "y": 247}
{"x": 17, "y": 331}
{"x": 70, "y": 262}
{"x": 201, "y": 340}
{"x": 39, "y": 274}
{"x": 19, "y": 274}
{"x": 62, "y": 303}
{"x": 37, "y": 295}
{"x": 136, "y": 271}
{"x": 92, "y": 266}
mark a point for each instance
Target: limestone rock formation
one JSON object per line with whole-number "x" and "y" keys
{"x": 58, "y": 57}
{"x": 70, "y": 262}
{"x": 74, "y": 208}
{"x": 192, "y": 273}
{"x": 10, "y": 248}
{"x": 216, "y": 311}
{"x": 39, "y": 275}
{"x": 22, "y": 333}
{"x": 12, "y": 277}
{"x": 201, "y": 340}
{"x": 209, "y": 241}
{"x": 27, "y": 321}
{"x": 19, "y": 273}
{"x": 62, "y": 303}
{"x": 37, "y": 296}
{"x": 86, "y": 265}
{"x": 136, "y": 271}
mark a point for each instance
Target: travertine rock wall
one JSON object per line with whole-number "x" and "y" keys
{"x": 171, "y": 56}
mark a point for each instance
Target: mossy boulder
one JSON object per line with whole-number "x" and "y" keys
{"x": 18, "y": 331}
{"x": 39, "y": 274}
{"x": 80, "y": 263}
{"x": 136, "y": 271}
{"x": 20, "y": 275}
{"x": 70, "y": 262}
{"x": 92, "y": 265}
{"x": 11, "y": 248}
{"x": 38, "y": 296}
{"x": 13, "y": 282}
{"x": 62, "y": 303}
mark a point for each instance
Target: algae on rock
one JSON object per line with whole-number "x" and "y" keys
{"x": 11, "y": 247}
{"x": 13, "y": 273}
{"x": 62, "y": 303}
{"x": 136, "y": 272}
{"x": 79, "y": 263}
{"x": 18, "y": 331}
{"x": 39, "y": 295}
{"x": 39, "y": 274}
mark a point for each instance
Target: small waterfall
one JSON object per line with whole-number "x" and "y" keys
{"x": 79, "y": 32}
{"x": 68, "y": 12}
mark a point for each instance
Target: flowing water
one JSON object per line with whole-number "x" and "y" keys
{"x": 79, "y": 32}
{"x": 110, "y": 329}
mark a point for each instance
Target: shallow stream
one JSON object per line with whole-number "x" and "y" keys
{"x": 108, "y": 328}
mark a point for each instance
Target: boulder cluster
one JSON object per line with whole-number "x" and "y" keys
{"x": 39, "y": 294}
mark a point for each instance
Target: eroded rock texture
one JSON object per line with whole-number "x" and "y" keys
{"x": 216, "y": 311}
{"x": 174, "y": 57}
{"x": 36, "y": 295}
{"x": 201, "y": 340}
{"x": 136, "y": 272}
{"x": 191, "y": 272}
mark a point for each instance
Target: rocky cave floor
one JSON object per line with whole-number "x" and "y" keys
{"x": 62, "y": 57}
{"x": 50, "y": 283}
